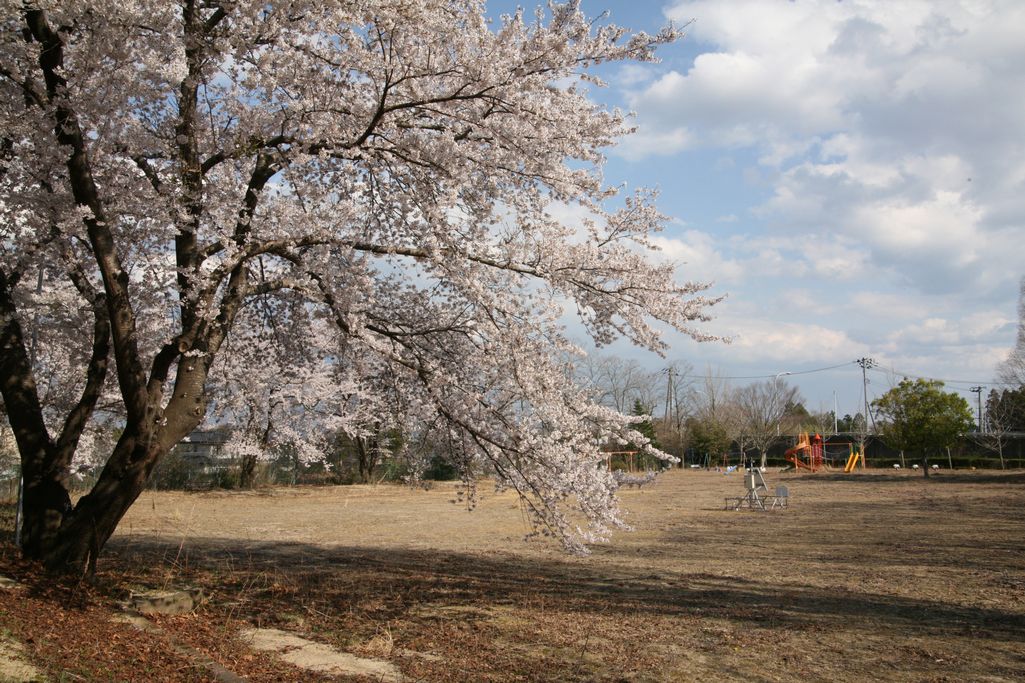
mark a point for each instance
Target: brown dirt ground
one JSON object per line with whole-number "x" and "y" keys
{"x": 877, "y": 576}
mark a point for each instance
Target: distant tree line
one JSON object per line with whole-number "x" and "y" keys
{"x": 705, "y": 419}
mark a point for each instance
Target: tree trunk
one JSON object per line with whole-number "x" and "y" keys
{"x": 45, "y": 502}
{"x": 88, "y": 527}
{"x": 45, "y": 498}
{"x": 247, "y": 472}
{"x": 364, "y": 462}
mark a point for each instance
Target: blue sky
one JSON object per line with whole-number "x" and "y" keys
{"x": 851, "y": 174}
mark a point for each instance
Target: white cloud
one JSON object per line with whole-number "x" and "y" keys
{"x": 630, "y": 75}
{"x": 700, "y": 258}
{"x": 897, "y": 125}
{"x": 647, "y": 142}
{"x": 977, "y": 328}
{"x": 942, "y": 227}
{"x": 965, "y": 348}
{"x": 835, "y": 258}
{"x": 884, "y": 306}
{"x": 796, "y": 343}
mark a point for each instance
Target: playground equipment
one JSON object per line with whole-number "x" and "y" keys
{"x": 807, "y": 453}
{"x": 812, "y": 453}
{"x": 629, "y": 459}
{"x": 756, "y": 497}
{"x": 852, "y": 461}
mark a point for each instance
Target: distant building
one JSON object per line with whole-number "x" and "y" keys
{"x": 205, "y": 448}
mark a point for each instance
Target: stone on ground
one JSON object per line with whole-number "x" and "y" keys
{"x": 14, "y": 668}
{"x": 318, "y": 657}
{"x": 166, "y": 602}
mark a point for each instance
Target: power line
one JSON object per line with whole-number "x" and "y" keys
{"x": 912, "y": 375}
{"x": 773, "y": 375}
{"x": 875, "y": 367}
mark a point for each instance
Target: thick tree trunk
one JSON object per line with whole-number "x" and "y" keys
{"x": 70, "y": 539}
{"x": 45, "y": 502}
{"x": 88, "y": 527}
{"x": 43, "y": 469}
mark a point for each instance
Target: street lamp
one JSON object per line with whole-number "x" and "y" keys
{"x": 775, "y": 398}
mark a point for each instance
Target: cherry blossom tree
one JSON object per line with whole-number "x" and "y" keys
{"x": 276, "y": 385}
{"x": 375, "y": 178}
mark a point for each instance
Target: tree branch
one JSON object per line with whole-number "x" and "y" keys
{"x": 18, "y": 384}
{"x": 96, "y": 370}
{"x": 67, "y": 132}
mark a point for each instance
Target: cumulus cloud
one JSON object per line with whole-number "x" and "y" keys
{"x": 700, "y": 257}
{"x": 977, "y": 328}
{"x": 887, "y": 307}
{"x": 957, "y": 348}
{"x": 776, "y": 343}
{"x": 894, "y": 128}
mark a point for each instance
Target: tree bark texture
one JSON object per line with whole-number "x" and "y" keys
{"x": 88, "y": 527}
{"x": 45, "y": 498}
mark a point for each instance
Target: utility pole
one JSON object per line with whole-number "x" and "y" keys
{"x": 866, "y": 364}
{"x": 669, "y": 414}
{"x": 978, "y": 395}
{"x": 835, "y": 410}
{"x": 671, "y": 410}
{"x": 775, "y": 398}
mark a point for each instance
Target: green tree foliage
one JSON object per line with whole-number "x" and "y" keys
{"x": 850, "y": 424}
{"x": 795, "y": 410}
{"x": 1005, "y": 410}
{"x": 647, "y": 428}
{"x": 919, "y": 417}
{"x": 709, "y": 437}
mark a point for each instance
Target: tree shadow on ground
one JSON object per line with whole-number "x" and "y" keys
{"x": 263, "y": 581}
{"x": 942, "y": 476}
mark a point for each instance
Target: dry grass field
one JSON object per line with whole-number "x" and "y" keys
{"x": 881, "y": 576}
